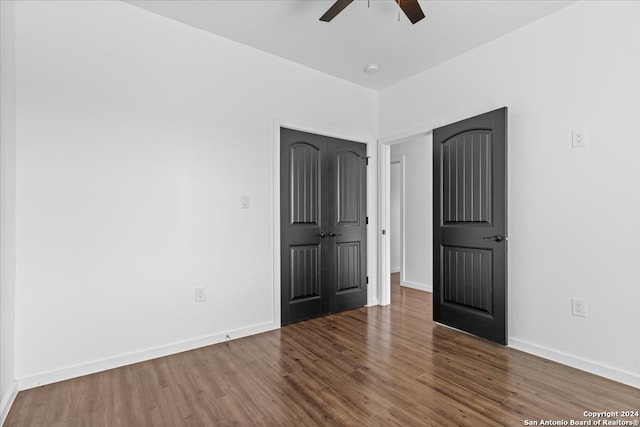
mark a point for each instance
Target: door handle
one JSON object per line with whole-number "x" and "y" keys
{"x": 322, "y": 235}
{"x": 332, "y": 234}
{"x": 497, "y": 238}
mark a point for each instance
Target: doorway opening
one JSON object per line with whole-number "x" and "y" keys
{"x": 406, "y": 211}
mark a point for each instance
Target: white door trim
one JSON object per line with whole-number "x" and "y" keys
{"x": 399, "y": 233}
{"x": 384, "y": 212}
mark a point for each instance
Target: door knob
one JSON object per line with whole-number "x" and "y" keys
{"x": 332, "y": 234}
{"x": 322, "y": 235}
{"x": 497, "y": 238}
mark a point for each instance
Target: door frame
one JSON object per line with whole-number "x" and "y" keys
{"x": 373, "y": 297}
{"x": 400, "y": 232}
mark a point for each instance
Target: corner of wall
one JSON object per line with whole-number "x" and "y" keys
{"x": 8, "y": 385}
{"x": 7, "y": 401}
{"x": 92, "y": 367}
{"x": 426, "y": 287}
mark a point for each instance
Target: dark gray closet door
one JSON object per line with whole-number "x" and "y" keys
{"x": 347, "y": 223}
{"x": 323, "y": 225}
{"x": 469, "y": 225}
{"x": 303, "y": 210}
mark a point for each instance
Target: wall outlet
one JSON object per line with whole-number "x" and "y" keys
{"x": 579, "y": 307}
{"x": 201, "y": 294}
{"x": 579, "y": 138}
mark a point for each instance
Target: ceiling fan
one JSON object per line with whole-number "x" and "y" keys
{"x": 411, "y": 8}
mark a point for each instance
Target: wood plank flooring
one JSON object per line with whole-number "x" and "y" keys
{"x": 378, "y": 366}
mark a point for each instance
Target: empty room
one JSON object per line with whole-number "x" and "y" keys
{"x": 319, "y": 212}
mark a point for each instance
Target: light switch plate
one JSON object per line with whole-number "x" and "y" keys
{"x": 244, "y": 202}
{"x": 201, "y": 294}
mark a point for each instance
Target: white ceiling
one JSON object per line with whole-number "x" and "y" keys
{"x": 359, "y": 35}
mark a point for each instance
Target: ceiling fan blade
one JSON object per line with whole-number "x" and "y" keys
{"x": 337, "y": 7}
{"x": 412, "y": 9}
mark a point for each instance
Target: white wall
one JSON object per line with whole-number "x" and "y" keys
{"x": 8, "y": 387}
{"x": 573, "y": 213}
{"x": 416, "y": 155}
{"x": 395, "y": 226}
{"x": 137, "y": 135}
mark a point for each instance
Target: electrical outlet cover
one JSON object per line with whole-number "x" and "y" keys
{"x": 579, "y": 138}
{"x": 579, "y": 307}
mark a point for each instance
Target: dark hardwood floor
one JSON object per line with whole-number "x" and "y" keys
{"x": 380, "y": 366}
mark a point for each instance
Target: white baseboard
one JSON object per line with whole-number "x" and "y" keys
{"x": 415, "y": 285}
{"x": 395, "y": 270}
{"x": 615, "y": 374}
{"x": 53, "y": 376}
{"x": 7, "y": 401}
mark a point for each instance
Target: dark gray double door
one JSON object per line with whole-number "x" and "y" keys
{"x": 323, "y": 225}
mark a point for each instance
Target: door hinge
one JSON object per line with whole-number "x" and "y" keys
{"x": 367, "y": 280}
{"x": 366, "y": 160}
{"x": 367, "y": 220}
{"x": 384, "y": 231}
